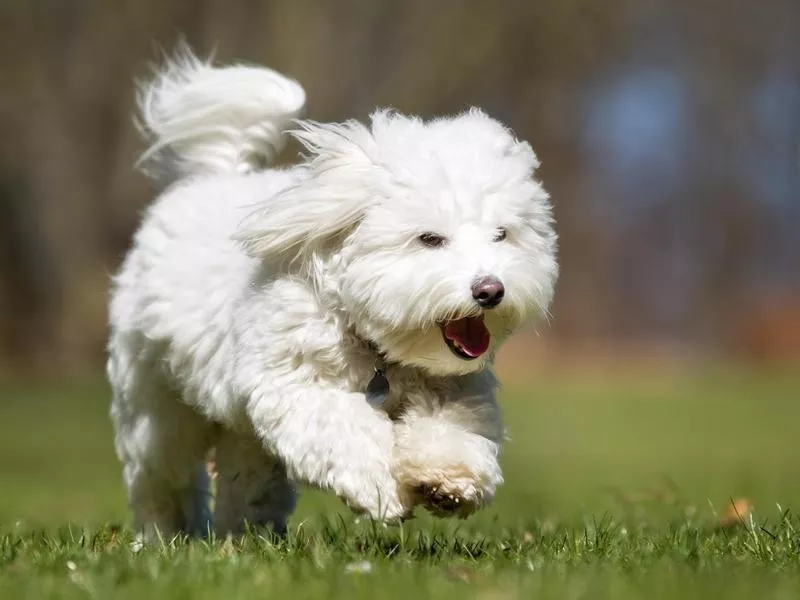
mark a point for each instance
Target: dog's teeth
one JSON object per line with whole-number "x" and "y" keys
{"x": 457, "y": 499}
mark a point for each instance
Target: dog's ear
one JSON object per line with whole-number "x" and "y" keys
{"x": 330, "y": 198}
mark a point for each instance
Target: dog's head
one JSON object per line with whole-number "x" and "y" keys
{"x": 432, "y": 237}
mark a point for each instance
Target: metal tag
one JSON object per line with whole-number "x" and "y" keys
{"x": 377, "y": 389}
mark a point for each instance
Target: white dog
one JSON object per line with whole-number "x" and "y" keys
{"x": 332, "y": 323}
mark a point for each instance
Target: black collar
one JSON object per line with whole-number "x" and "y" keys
{"x": 378, "y": 387}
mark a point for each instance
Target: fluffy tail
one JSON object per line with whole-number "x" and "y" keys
{"x": 201, "y": 119}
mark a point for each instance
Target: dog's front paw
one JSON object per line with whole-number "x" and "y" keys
{"x": 452, "y": 475}
{"x": 375, "y": 499}
{"x": 443, "y": 502}
{"x": 390, "y": 513}
{"x": 448, "y": 491}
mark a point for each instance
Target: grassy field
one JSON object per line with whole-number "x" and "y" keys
{"x": 615, "y": 487}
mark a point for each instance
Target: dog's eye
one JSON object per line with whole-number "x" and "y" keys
{"x": 432, "y": 240}
{"x": 500, "y": 235}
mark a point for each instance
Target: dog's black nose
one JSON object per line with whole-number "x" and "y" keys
{"x": 488, "y": 291}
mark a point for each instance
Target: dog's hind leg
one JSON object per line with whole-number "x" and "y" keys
{"x": 252, "y": 487}
{"x": 162, "y": 444}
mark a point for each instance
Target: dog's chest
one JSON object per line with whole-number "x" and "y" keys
{"x": 391, "y": 389}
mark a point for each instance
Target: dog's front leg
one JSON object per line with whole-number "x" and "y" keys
{"x": 446, "y": 453}
{"x": 333, "y": 440}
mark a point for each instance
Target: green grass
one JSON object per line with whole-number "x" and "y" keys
{"x": 614, "y": 487}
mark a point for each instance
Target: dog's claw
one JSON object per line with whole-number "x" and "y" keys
{"x": 442, "y": 503}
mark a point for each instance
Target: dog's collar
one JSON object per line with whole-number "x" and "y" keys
{"x": 378, "y": 387}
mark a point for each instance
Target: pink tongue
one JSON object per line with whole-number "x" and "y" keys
{"x": 470, "y": 333}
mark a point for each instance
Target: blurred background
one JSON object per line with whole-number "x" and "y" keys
{"x": 669, "y": 134}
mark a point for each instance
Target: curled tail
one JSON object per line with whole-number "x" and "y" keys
{"x": 201, "y": 119}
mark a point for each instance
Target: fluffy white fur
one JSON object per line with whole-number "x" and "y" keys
{"x": 255, "y": 304}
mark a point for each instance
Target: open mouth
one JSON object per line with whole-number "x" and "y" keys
{"x": 467, "y": 338}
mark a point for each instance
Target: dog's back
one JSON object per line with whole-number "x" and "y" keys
{"x": 211, "y": 132}
{"x": 206, "y": 127}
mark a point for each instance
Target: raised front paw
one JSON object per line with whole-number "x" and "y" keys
{"x": 443, "y": 502}
{"x": 454, "y": 485}
{"x": 444, "y": 467}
